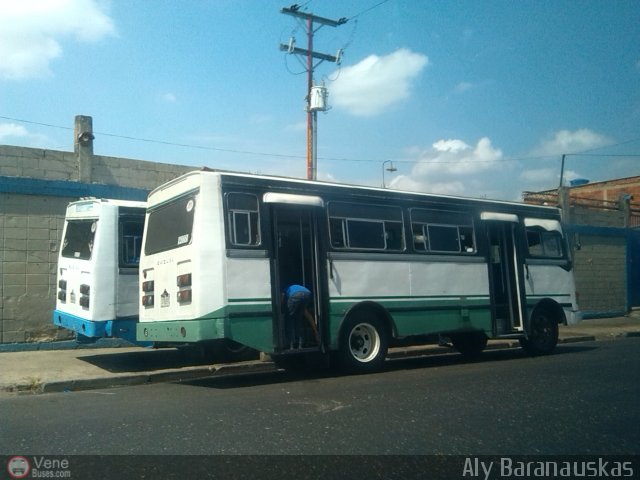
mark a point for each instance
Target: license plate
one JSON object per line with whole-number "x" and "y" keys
{"x": 164, "y": 299}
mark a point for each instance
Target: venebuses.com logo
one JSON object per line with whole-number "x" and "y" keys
{"x": 38, "y": 467}
{"x": 18, "y": 467}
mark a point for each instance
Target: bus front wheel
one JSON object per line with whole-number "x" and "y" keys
{"x": 543, "y": 334}
{"x": 363, "y": 344}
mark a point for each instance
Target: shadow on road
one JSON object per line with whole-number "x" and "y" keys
{"x": 391, "y": 366}
{"x": 147, "y": 360}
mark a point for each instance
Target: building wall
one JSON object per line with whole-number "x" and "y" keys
{"x": 30, "y": 231}
{"x": 35, "y": 187}
{"x": 600, "y": 273}
{"x": 610, "y": 190}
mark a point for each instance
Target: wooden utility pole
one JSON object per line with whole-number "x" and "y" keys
{"x": 290, "y": 48}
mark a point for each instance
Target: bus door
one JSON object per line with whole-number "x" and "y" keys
{"x": 295, "y": 259}
{"x": 506, "y": 279}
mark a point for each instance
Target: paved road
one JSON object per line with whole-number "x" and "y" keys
{"x": 581, "y": 400}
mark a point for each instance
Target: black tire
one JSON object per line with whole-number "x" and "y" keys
{"x": 363, "y": 344}
{"x": 469, "y": 344}
{"x": 542, "y": 336}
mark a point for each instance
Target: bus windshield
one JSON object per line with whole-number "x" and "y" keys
{"x": 78, "y": 240}
{"x": 170, "y": 225}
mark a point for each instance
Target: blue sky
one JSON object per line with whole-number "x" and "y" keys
{"x": 475, "y": 98}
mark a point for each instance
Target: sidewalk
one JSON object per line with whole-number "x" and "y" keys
{"x": 45, "y": 371}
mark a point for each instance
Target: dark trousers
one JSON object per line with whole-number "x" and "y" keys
{"x": 296, "y": 304}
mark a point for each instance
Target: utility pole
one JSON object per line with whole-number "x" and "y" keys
{"x": 290, "y": 48}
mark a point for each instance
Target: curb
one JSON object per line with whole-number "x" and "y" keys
{"x": 155, "y": 377}
{"x": 251, "y": 367}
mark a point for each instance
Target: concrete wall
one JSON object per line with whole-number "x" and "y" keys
{"x": 600, "y": 273}
{"x": 35, "y": 187}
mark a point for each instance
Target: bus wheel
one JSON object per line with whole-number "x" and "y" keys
{"x": 363, "y": 345}
{"x": 469, "y": 344}
{"x": 543, "y": 334}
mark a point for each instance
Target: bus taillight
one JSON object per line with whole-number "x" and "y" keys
{"x": 148, "y": 286}
{"x": 84, "y": 292}
{"x": 147, "y": 301}
{"x": 62, "y": 293}
{"x": 84, "y": 301}
{"x": 184, "y": 296}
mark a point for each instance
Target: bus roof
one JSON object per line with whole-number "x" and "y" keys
{"x": 111, "y": 201}
{"x": 318, "y": 185}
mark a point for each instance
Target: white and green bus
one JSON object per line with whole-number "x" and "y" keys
{"x": 384, "y": 268}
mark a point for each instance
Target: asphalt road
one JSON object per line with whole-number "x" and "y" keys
{"x": 581, "y": 400}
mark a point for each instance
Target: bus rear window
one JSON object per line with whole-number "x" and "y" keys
{"x": 170, "y": 226}
{"x": 78, "y": 239}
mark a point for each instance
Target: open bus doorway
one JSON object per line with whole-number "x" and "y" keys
{"x": 505, "y": 277}
{"x": 295, "y": 261}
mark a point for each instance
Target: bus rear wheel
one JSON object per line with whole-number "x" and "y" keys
{"x": 469, "y": 344}
{"x": 363, "y": 344}
{"x": 542, "y": 337}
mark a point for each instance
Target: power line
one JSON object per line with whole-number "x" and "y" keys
{"x": 368, "y": 9}
{"x": 331, "y": 159}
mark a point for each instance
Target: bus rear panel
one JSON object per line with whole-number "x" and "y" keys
{"x": 97, "y": 277}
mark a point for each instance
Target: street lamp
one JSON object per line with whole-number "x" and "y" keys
{"x": 390, "y": 168}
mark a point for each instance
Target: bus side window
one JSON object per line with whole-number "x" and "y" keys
{"x": 439, "y": 231}
{"x": 542, "y": 243}
{"x": 360, "y": 226}
{"x": 130, "y": 242}
{"x": 243, "y": 221}
{"x": 337, "y": 232}
{"x": 419, "y": 237}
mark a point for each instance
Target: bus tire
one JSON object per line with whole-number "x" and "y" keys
{"x": 542, "y": 337}
{"x": 469, "y": 344}
{"x": 363, "y": 344}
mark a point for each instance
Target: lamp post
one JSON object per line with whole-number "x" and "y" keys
{"x": 390, "y": 168}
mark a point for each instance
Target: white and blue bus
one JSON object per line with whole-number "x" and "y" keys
{"x": 384, "y": 267}
{"x": 98, "y": 269}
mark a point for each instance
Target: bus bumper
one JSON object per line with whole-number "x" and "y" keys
{"x": 90, "y": 331}
{"x": 574, "y": 317}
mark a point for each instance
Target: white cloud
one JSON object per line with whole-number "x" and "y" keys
{"x": 566, "y": 141}
{"x": 18, "y": 134}
{"x": 454, "y": 157}
{"x": 540, "y": 175}
{"x": 9, "y": 130}
{"x": 450, "y": 167}
{"x": 169, "y": 97}
{"x": 375, "y": 83}
{"x": 31, "y": 32}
